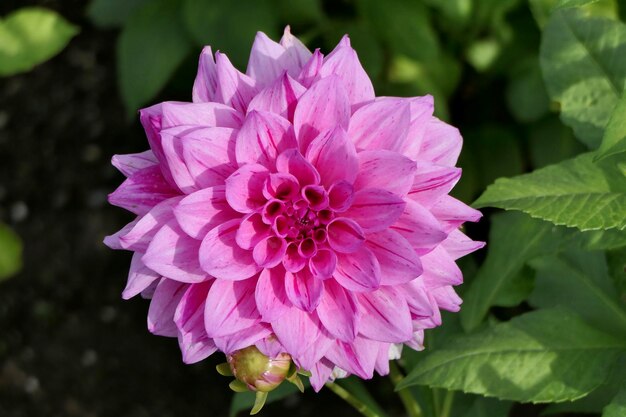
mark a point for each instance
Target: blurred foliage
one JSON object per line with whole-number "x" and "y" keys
{"x": 10, "y": 252}
{"x": 30, "y": 36}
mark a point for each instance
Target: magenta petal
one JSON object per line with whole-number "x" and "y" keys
{"x": 320, "y": 374}
{"x": 398, "y": 261}
{"x": 297, "y": 330}
{"x": 150, "y": 119}
{"x": 357, "y": 357}
{"x": 381, "y": 125}
{"x": 311, "y": 69}
{"x": 442, "y": 143}
{"x": 358, "y": 271}
{"x": 433, "y": 181}
{"x": 269, "y": 252}
{"x": 387, "y": 170}
{"x": 281, "y": 186}
{"x": 340, "y": 196}
{"x": 251, "y": 231}
{"x": 447, "y": 298}
{"x": 177, "y": 113}
{"x": 385, "y": 316}
{"x": 205, "y": 85}
{"x": 221, "y": 257}
{"x": 130, "y": 163}
{"x": 243, "y": 338}
{"x": 262, "y": 137}
{"x": 230, "y": 307}
{"x": 344, "y": 63}
{"x": 244, "y": 188}
{"x": 375, "y": 209}
{"x": 163, "y": 305}
{"x": 418, "y": 225}
{"x": 440, "y": 269}
{"x": 233, "y": 88}
{"x": 293, "y": 261}
{"x": 201, "y": 211}
{"x": 142, "y": 191}
{"x": 139, "y": 237}
{"x": 303, "y": 289}
{"x": 271, "y": 298}
{"x": 323, "y": 107}
{"x": 382, "y": 360}
{"x": 345, "y": 235}
{"x": 452, "y": 213}
{"x": 418, "y": 300}
{"x": 113, "y": 241}
{"x": 334, "y": 157}
{"x": 458, "y": 245}
{"x": 292, "y": 162}
{"x": 267, "y": 60}
{"x": 279, "y": 98}
{"x": 323, "y": 264}
{"x": 139, "y": 277}
{"x": 270, "y": 346}
{"x": 338, "y": 312}
{"x": 174, "y": 255}
{"x": 193, "y": 340}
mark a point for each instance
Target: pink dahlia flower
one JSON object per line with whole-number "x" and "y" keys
{"x": 291, "y": 209}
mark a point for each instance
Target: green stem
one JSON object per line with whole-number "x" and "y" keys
{"x": 350, "y": 399}
{"x": 411, "y": 406}
{"x": 446, "y": 408}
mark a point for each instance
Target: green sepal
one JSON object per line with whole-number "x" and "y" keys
{"x": 295, "y": 380}
{"x": 224, "y": 369}
{"x": 259, "y": 402}
{"x": 238, "y": 386}
{"x": 304, "y": 372}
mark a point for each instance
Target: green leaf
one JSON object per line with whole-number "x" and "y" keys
{"x": 564, "y": 4}
{"x": 458, "y": 12}
{"x": 574, "y": 193}
{"x": 617, "y": 270}
{"x": 10, "y": 252}
{"x": 543, "y": 356}
{"x": 488, "y": 407}
{"x": 526, "y": 94}
{"x": 150, "y": 48}
{"x": 617, "y": 407}
{"x": 614, "y": 140}
{"x": 112, "y": 13}
{"x": 230, "y": 26}
{"x": 30, "y": 36}
{"x": 583, "y": 60}
{"x": 579, "y": 280}
{"x": 551, "y": 142}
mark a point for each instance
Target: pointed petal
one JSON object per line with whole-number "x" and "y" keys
{"x": 130, "y": 163}
{"x": 292, "y": 162}
{"x": 447, "y": 298}
{"x": 199, "y": 114}
{"x": 418, "y": 225}
{"x": 334, "y": 157}
{"x": 113, "y": 241}
{"x": 418, "y": 300}
{"x": 433, "y": 181}
{"x": 297, "y": 54}
{"x": 203, "y": 210}
{"x": 142, "y": 191}
{"x": 338, "y": 312}
{"x": 271, "y": 298}
{"x": 440, "y": 269}
{"x": 323, "y": 107}
{"x": 452, "y": 213}
{"x": 163, "y": 305}
{"x": 375, "y": 209}
{"x": 139, "y": 277}
{"x": 139, "y": 237}
{"x": 233, "y": 88}
{"x": 382, "y": 359}
{"x": 244, "y": 188}
{"x": 398, "y": 261}
{"x": 279, "y": 98}
{"x": 358, "y": 271}
{"x": 230, "y": 307}
{"x": 311, "y": 69}
{"x": 205, "y": 85}
{"x": 150, "y": 119}
{"x": 386, "y": 170}
{"x": 381, "y": 125}
{"x": 385, "y": 315}
{"x": 266, "y": 61}
{"x": 262, "y": 137}
{"x": 221, "y": 257}
{"x": 193, "y": 340}
{"x": 357, "y": 357}
{"x": 442, "y": 143}
{"x": 174, "y": 255}
{"x": 303, "y": 289}
{"x": 243, "y": 338}
{"x": 320, "y": 374}
{"x": 458, "y": 245}
{"x": 345, "y": 235}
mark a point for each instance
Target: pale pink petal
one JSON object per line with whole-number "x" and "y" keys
{"x": 382, "y": 359}
{"x": 345, "y": 235}
{"x": 458, "y": 245}
{"x": 150, "y": 119}
{"x": 323, "y": 107}
{"x": 338, "y": 312}
{"x": 323, "y": 264}
{"x": 334, "y": 157}
{"x": 271, "y": 298}
{"x": 113, "y": 241}
{"x": 233, "y": 88}
{"x": 205, "y": 85}
{"x": 297, "y": 330}
{"x": 311, "y": 69}
{"x": 269, "y": 252}
{"x": 193, "y": 340}
{"x": 262, "y": 138}
{"x": 440, "y": 269}
{"x": 230, "y": 307}
{"x": 163, "y": 305}
{"x": 174, "y": 255}
{"x": 344, "y": 63}
{"x": 357, "y": 357}
{"x": 447, "y": 298}
{"x": 251, "y": 231}
{"x": 297, "y": 54}
{"x": 442, "y": 143}
{"x": 387, "y": 170}
{"x": 176, "y": 113}
{"x": 398, "y": 261}
{"x": 416, "y": 295}
{"x": 303, "y": 289}
{"x": 375, "y": 209}
{"x": 433, "y": 181}
{"x": 292, "y": 162}
{"x": 279, "y": 98}
{"x": 270, "y": 346}
{"x": 142, "y": 191}
{"x": 358, "y": 271}
{"x": 315, "y": 351}
{"x": 203, "y": 210}
{"x": 242, "y": 339}
{"x": 130, "y": 163}
{"x": 266, "y": 61}
{"x": 244, "y": 188}
{"x": 139, "y": 237}
{"x": 320, "y": 374}
{"x": 221, "y": 257}
{"x": 385, "y": 315}
{"x": 418, "y": 225}
{"x": 381, "y": 125}
{"x": 340, "y": 196}
{"x": 417, "y": 343}
{"x": 139, "y": 277}
{"x": 452, "y": 213}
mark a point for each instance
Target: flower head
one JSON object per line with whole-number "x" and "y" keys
{"x": 290, "y": 209}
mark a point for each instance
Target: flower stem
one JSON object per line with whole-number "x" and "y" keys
{"x": 352, "y": 400}
{"x": 446, "y": 408}
{"x": 411, "y": 406}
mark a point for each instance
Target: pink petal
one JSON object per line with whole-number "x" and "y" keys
{"x": 334, "y": 157}
{"x": 338, "y": 312}
{"x": 270, "y": 346}
{"x": 150, "y": 119}
{"x": 293, "y": 261}
{"x": 385, "y": 315}
{"x": 323, "y": 107}
{"x": 418, "y": 225}
{"x": 340, "y": 196}
{"x": 244, "y": 188}
{"x": 230, "y": 307}
{"x": 344, "y": 63}
{"x": 271, "y": 298}
{"x": 221, "y": 257}
{"x": 433, "y": 181}
{"x": 199, "y": 114}
{"x": 139, "y": 237}
{"x": 281, "y": 186}
{"x": 398, "y": 261}
{"x": 323, "y": 264}
{"x": 452, "y": 213}
{"x": 174, "y": 255}
{"x": 357, "y": 357}
{"x": 205, "y": 85}
{"x": 381, "y": 125}
{"x": 311, "y": 69}
{"x": 420, "y": 303}
{"x": 320, "y": 374}
{"x": 292, "y": 162}
{"x": 262, "y": 137}
{"x": 382, "y": 359}
{"x": 139, "y": 277}
{"x": 194, "y": 342}
{"x": 442, "y": 143}
{"x": 131, "y": 163}
{"x": 440, "y": 269}
{"x": 447, "y": 298}
{"x": 266, "y": 61}
{"x": 113, "y": 241}
{"x": 417, "y": 343}
{"x": 142, "y": 191}
{"x": 458, "y": 245}
{"x": 279, "y": 98}
{"x": 203, "y": 210}
{"x": 303, "y": 289}
{"x": 242, "y": 339}
{"x": 345, "y": 235}
{"x": 251, "y": 231}
{"x": 233, "y": 88}
{"x": 163, "y": 305}
{"x": 269, "y": 252}
{"x": 358, "y": 271}
{"x": 298, "y": 54}
{"x": 386, "y": 170}
{"x": 375, "y": 209}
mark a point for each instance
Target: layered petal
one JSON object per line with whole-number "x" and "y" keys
{"x": 163, "y": 305}
{"x": 270, "y": 295}
{"x": 338, "y": 312}
{"x": 375, "y": 209}
{"x": 381, "y": 125}
{"x": 358, "y": 271}
{"x": 206, "y": 83}
{"x": 143, "y": 190}
{"x": 203, "y": 210}
{"x": 279, "y": 98}
{"x": 303, "y": 289}
{"x": 194, "y": 342}
{"x": 244, "y": 188}
{"x": 334, "y": 157}
{"x": 399, "y": 263}
{"x": 386, "y": 170}
{"x": 385, "y": 315}
{"x": 230, "y": 307}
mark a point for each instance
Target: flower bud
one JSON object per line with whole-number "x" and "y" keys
{"x": 257, "y": 371}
